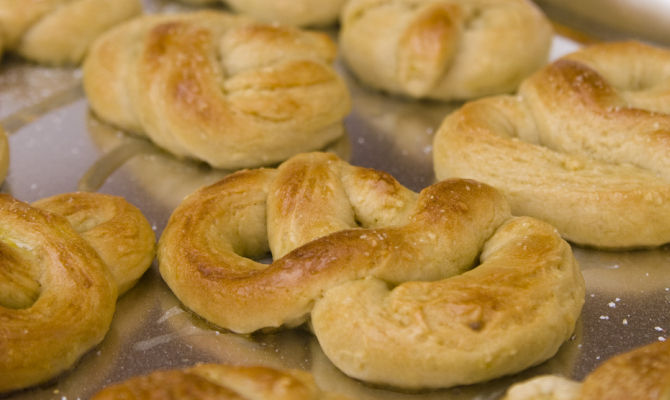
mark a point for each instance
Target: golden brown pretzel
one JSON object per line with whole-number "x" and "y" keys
{"x": 218, "y": 87}
{"x": 219, "y": 381}
{"x": 584, "y": 145}
{"x": 642, "y": 373}
{"x": 59, "y": 31}
{"x": 57, "y": 296}
{"x": 340, "y": 232}
{"x": 444, "y": 49}
{"x": 286, "y": 12}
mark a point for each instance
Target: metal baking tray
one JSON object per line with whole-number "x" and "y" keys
{"x": 58, "y": 146}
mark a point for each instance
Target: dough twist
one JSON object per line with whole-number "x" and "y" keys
{"x": 642, "y": 373}
{"x": 585, "y": 145}
{"x": 59, "y": 31}
{"x": 52, "y": 280}
{"x": 218, "y": 87}
{"x": 219, "y": 381}
{"x": 286, "y": 12}
{"x": 342, "y": 236}
{"x": 444, "y": 49}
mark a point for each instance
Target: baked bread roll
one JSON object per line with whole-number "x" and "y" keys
{"x": 341, "y": 236}
{"x": 218, "y": 88}
{"x": 59, "y": 31}
{"x": 286, "y": 12}
{"x": 218, "y": 381}
{"x": 53, "y": 281}
{"x": 642, "y": 373}
{"x": 444, "y": 49}
{"x": 583, "y": 146}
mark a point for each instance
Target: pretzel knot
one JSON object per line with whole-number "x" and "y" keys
{"x": 60, "y": 274}
{"x": 218, "y": 88}
{"x": 385, "y": 273}
{"x": 444, "y": 49}
{"x": 584, "y": 146}
{"x": 59, "y": 31}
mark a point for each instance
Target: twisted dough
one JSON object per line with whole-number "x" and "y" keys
{"x": 59, "y": 31}
{"x": 444, "y": 49}
{"x": 286, "y": 12}
{"x": 642, "y": 373}
{"x": 341, "y": 236}
{"x": 585, "y": 145}
{"x": 218, "y": 381}
{"x": 218, "y": 87}
{"x": 52, "y": 280}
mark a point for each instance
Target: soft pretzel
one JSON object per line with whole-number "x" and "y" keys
{"x": 286, "y": 12}
{"x": 219, "y": 381}
{"x": 59, "y": 31}
{"x": 444, "y": 49}
{"x": 218, "y": 87}
{"x": 52, "y": 280}
{"x": 584, "y": 145}
{"x": 341, "y": 236}
{"x": 642, "y": 373}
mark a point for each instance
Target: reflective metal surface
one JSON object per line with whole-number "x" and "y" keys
{"x": 57, "y": 146}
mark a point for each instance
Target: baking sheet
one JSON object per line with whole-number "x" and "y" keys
{"x": 58, "y": 146}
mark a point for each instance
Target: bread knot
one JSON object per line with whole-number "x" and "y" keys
{"x": 218, "y": 88}
{"x": 63, "y": 263}
{"x": 59, "y": 32}
{"x": 585, "y": 145}
{"x": 362, "y": 254}
{"x": 445, "y": 49}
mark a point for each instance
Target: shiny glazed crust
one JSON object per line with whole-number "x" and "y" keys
{"x": 584, "y": 146}
{"x": 444, "y": 49}
{"x": 341, "y": 236}
{"x": 217, "y": 381}
{"x": 53, "y": 280}
{"x": 218, "y": 87}
{"x": 642, "y": 373}
{"x": 59, "y": 31}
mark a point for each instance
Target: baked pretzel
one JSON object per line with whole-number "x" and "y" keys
{"x": 584, "y": 145}
{"x": 341, "y": 236}
{"x": 642, "y": 373}
{"x": 57, "y": 296}
{"x": 59, "y": 31}
{"x": 286, "y": 12}
{"x": 219, "y": 381}
{"x": 218, "y": 87}
{"x": 444, "y": 49}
